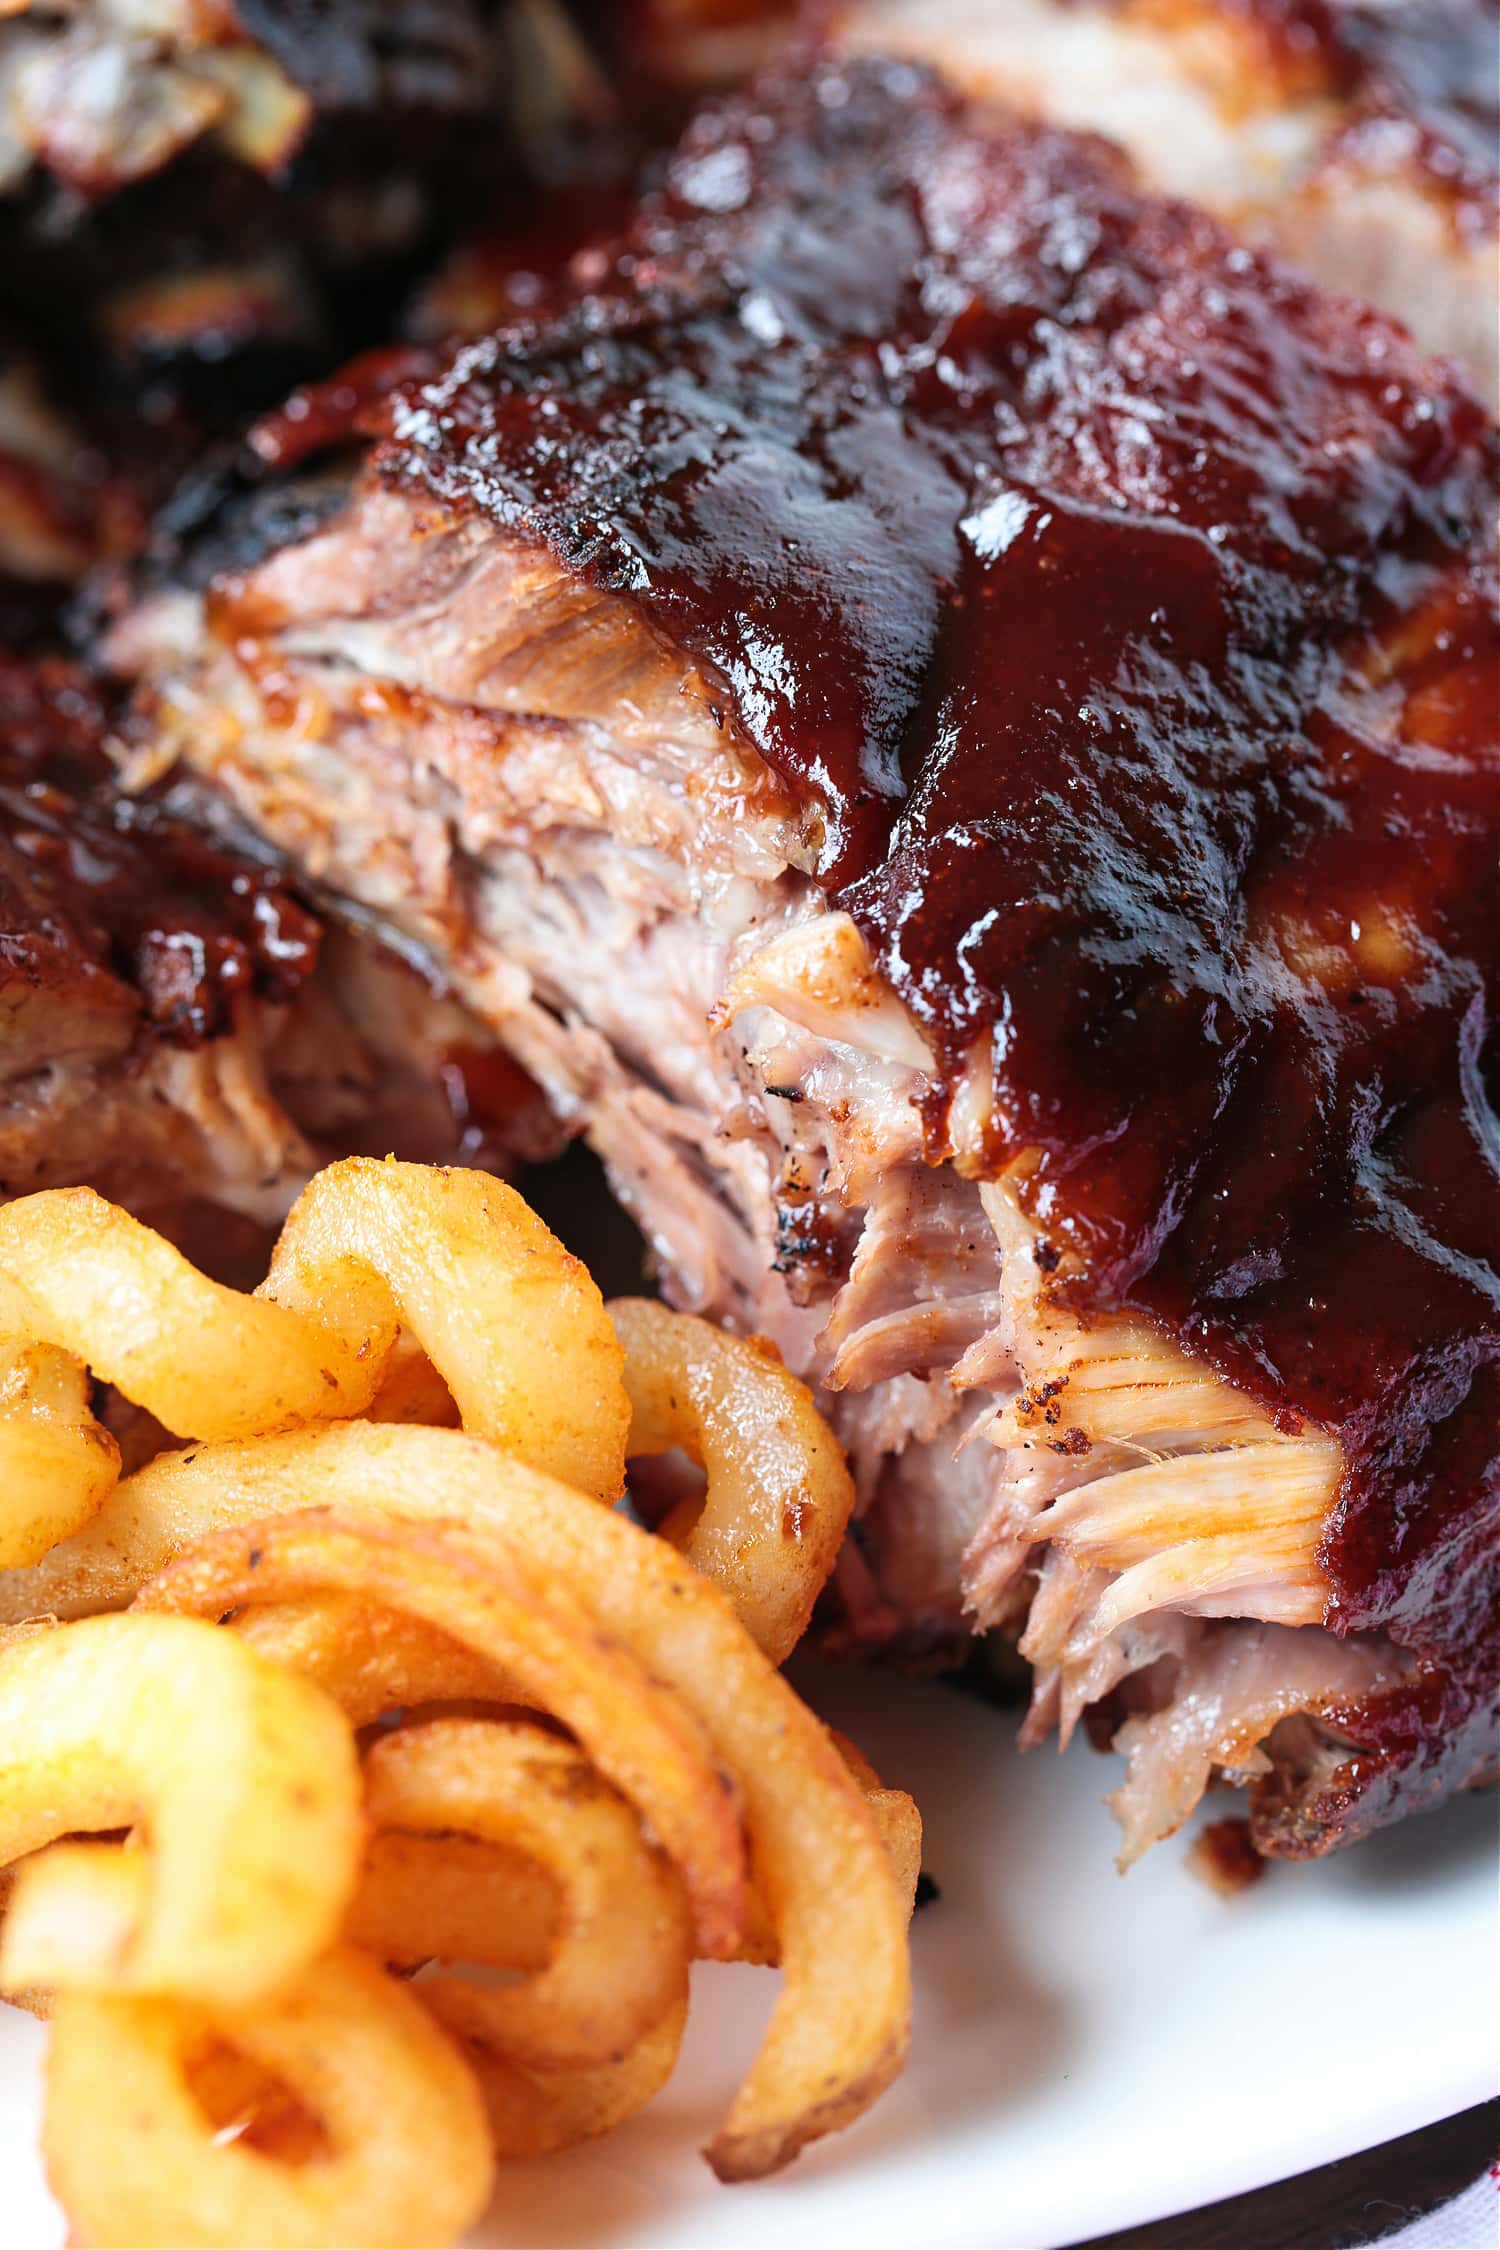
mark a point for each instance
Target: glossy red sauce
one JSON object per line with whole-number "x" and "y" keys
{"x": 120, "y": 883}
{"x": 1125, "y": 611}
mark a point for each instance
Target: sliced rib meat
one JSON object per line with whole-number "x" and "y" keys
{"x": 941, "y": 707}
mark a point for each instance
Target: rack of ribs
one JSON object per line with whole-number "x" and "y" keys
{"x": 942, "y": 707}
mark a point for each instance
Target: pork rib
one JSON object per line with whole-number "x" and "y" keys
{"x": 941, "y": 707}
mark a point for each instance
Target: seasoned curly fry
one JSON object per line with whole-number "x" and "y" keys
{"x": 620, "y": 1958}
{"x": 72, "y": 1917}
{"x": 779, "y": 1496}
{"x": 408, "y": 2162}
{"x": 412, "y": 1390}
{"x": 900, "y": 1825}
{"x": 580, "y": 1768}
{"x": 83, "y": 1285}
{"x": 512, "y": 1328}
{"x": 593, "y": 2032}
{"x": 896, "y": 1816}
{"x": 243, "y": 1777}
{"x": 640, "y": 1736}
{"x": 839, "y": 2033}
{"x": 537, "y": 2112}
{"x": 56, "y": 1463}
{"x": 371, "y": 1659}
{"x": 513, "y": 1324}
{"x": 451, "y": 1898}
{"x": 78, "y": 1273}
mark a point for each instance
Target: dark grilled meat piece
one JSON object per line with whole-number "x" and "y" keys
{"x": 175, "y": 1026}
{"x": 202, "y": 204}
{"x": 98, "y": 97}
{"x": 76, "y": 491}
{"x": 943, "y": 708}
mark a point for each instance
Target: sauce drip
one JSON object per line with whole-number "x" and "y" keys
{"x": 1122, "y": 609}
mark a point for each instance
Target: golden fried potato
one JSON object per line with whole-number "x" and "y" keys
{"x": 840, "y": 2028}
{"x": 588, "y": 1770}
{"x": 640, "y": 1736}
{"x": 537, "y": 2112}
{"x": 72, "y": 1916}
{"x": 451, "y": 1898}
{"x": 779, "y": 1495}
{"x": 57, "y": 1464}
{"x": 396, "y": 1289}
{"x": 246, "y": 2104}
{"x": 136, "y": 2161}
{"x": 513, "y": 1323}
{"x": 243, "y": 1779}
{"x": 620, "y": 1992}
{"x": 896, "y": 1815}
{"x": 900, "y": 1825}
{"x": 619, "y": 1961}
{"x": 370, "y": 1659}
{"x": 412, "y": 1390}
{"x": 209, "y": 1363}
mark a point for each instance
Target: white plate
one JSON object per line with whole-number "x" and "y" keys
{"x": 1087, "y": 2053}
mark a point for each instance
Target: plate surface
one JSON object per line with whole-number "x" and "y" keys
{"x": 1088, "y": 2052}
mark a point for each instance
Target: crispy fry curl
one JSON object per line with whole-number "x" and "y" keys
{"x": 593, "y": 2031}
{"x": 620, "y": 1960}
{"x": 243, "y": 1778}
{"x": 576, "y": 1766}
{"x": 779, "y": 1495}
{"x": 57, "y": 1464}
{"x": 488, "y": 1596}
{"x": 839, "y": 2032}
{"x": 409, "y": 2159}
{"x": 512, "y": 1324}
{"x": 448, "y": 1897}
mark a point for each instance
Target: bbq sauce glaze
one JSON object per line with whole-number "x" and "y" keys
{"x": 92, "y": 880}
{"x": 1122, "y": 611}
